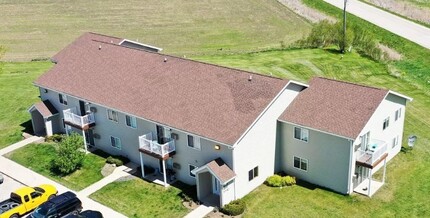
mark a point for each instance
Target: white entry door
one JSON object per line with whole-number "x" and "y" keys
{"x": 215, "y": 185}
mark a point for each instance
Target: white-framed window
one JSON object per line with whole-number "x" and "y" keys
{"x": 398, "y": 114}
{"x": 115, "y": 142}
{"x": 386, "y": 123}
{"x": 193, "y": 142}
{"x": 300, "y": 163}
{"x": 253, "y": 173}
{"x": 112, "y": 115}
{"x": 130, "y": 121}
{"x": 191, "y": 168}
{"x": 301, "y": 134}
{"x": 62, "y": 98}
{"x": 395, "y": 141}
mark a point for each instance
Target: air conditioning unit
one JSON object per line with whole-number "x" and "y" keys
{"x": 96, "y": 136}
{"x": 174, "y": 136}
{"x": 176, "y": 166}
{"x": 93, "y": 109}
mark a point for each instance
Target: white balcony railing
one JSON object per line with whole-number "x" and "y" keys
{"x": 374, "y": 151}
{"x": 81, "y": 121}
{"x": 147, "y": 142}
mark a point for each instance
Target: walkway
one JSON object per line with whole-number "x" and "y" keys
{"x": 395, "y": 24}
{"x": 20, "y": 144}
{"x": 200, "y": 212}
{"x": 31, "y": 178}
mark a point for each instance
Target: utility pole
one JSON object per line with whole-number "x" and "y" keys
{"x": 344, "y": 27}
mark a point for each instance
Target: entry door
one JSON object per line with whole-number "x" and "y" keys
{"x": 82, "y": 107}
{"x": 89, "y": 135}
{"x": 160, "y": 134}
{"x": 215, "y": 186}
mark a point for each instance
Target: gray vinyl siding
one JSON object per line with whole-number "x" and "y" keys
{"x": 130, "y": 142}
{"x": 328, "y": 158}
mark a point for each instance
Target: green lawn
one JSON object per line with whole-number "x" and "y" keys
{"x": 34, "y": 29}
{"x": 17, "y": 95}
{"x": 406, "y": 190}
{"x": 138, "y": 198}
{"x": 38, "y": 157}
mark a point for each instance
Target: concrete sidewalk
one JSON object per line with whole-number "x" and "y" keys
{"x": 200, "y": 212}
{"x": 20, "y": 144}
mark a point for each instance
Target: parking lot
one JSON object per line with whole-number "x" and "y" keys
{"x": 9, "y": 185}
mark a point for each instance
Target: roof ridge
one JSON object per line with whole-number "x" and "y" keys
{"x": 186, "y": 59}
{"x": 351, "y": 83}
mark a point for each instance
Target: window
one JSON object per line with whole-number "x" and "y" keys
{"x": 301, "y": 134}
{"x": 112, "y": 115}
{"x": 116, "y": 142}
{"x": 395, "y": 141}
{"x": 26, "y": 198}
{"x": 35, "y": 195}
{"x": 398, "y": 114}
{"x": 253, "y": 173}
{"x": 62, "y": 98}
{"x": 300, "y": 163}
{"x": 193, "y": 142}
{"x": 191, "y": 168}
{"x": 386, "y": 123}
{"x": 130, "y": 121}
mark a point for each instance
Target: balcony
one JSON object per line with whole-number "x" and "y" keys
{"x": 80, "y": 122}
{"x": 148, "y": 144}
{"x": 375, "y": 153}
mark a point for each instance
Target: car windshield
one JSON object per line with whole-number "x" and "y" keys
{"x": 40, "y": 212}
{"x": 39, "y": 189}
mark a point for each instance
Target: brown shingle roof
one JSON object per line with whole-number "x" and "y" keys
{"x": 45, "y": 108}
{"x": 208, "y": 100}
{"x": 334, "y": 106}
{"x": 221, "y": 170}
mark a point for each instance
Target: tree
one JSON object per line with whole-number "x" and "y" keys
{"x": 69, "y": 155}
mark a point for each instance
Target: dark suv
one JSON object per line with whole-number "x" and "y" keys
{"x": 62, "y": 205}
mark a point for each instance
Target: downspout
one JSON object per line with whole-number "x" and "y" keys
{"x": 350, "y": 165}
{"x": 234, "y": 170}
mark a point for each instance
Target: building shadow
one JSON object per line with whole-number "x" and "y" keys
{"x": 28, "y": 127}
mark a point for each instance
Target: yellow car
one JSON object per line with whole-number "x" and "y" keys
{"x": 25, "y": 200}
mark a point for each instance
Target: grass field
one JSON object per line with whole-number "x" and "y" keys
{"x": 38, "y": 157}
{"x": 406, "y": 190}
{"x": 17, "y": 95}
{"x": 138, "y": 198}
{"x": 39, "y": 29}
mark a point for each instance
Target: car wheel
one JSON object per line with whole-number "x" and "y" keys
{"x": 14, "y": 216}
{"x": 51, "y": 197}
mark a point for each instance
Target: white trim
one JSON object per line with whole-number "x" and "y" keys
{"x": 191, "y": 171}
{"x": 265, "y": 110}
{"x": 253, "y": 173}
{"x": 196, "y": 141}
{"x": 131, "y": 116}
{"x": 301, "y": 129}
{"x": 141, "y": 44}
{"x": 300, "y": 167}
{"x": 400, "y": 95}
{"x": 351, "y": 158}
{"x": 306, "y": 127}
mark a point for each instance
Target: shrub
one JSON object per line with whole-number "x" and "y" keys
{"x": 118, "y": 160}
{"x": 288, "y": 181}
{"x": 70, "y": 155}
{"x": 55, "y": 138}
{"x": 274, "y": 181}
{"x": 234, "y": 208}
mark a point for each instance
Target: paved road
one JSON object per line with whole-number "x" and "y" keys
{"x": 395, "y": 24}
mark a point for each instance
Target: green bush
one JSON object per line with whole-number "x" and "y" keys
{"x": 234, "y": 208}
{"x": 69, "y": 154}
{"x": 279, "y": 181}
{"x": 117, "y": 160}
{"x": 55, "y": 138}
{"x": 274, "y": 181}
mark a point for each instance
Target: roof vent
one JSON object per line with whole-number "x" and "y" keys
{"x": 100, "y": 47}
{"x": 111, "y": 41}
{"x": 250, "y": 78}
{"x": 165, "y": 59}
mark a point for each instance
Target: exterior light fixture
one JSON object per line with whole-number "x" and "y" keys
{"x": 217, "y": 147}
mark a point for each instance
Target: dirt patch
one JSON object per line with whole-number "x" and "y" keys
{"x": 389, "y": 53}
{"x": 308, "y": 13}
{"x": 406, "y": 9}
{"x": 190, "y": 205}
{"x": 108, "y": 169}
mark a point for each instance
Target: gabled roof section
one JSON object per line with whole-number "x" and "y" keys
{"x": 214, "y": 102}
{"x": 219, "y": 169}
{"x": 45, "y": 108}
{"x": 336, "y": 107}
